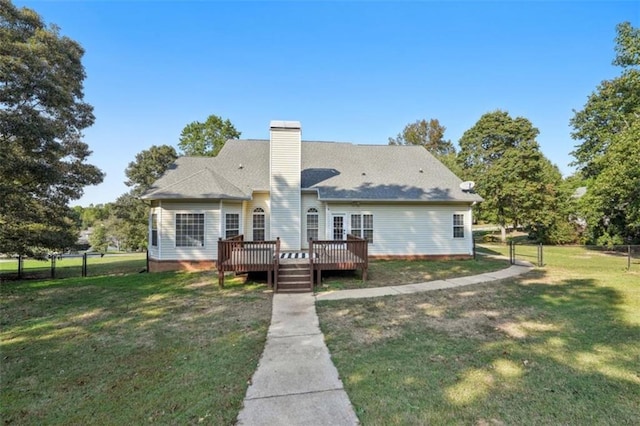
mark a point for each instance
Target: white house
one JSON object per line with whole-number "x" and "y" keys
{"x": 400, "y": 198}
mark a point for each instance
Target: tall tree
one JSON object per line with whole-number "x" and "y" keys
{"x": 42, "y": 115}
{"x": 608, "y": 128}
{"x": 130, "y": 211}
{"x": 611, "y": 205}
{"x": 148, "y": 166}
{"x": 612, "y": 108}
{"x": 517, "y": 182}
{"x": 208, "y": 138}
{"x": 429, "y": 134}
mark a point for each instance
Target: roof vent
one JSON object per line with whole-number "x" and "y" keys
{"x": 421, "y": 171}
{"x": 467, "y": 186}
{"x": 241, "y": 166}
{"x": 364, "y": 174}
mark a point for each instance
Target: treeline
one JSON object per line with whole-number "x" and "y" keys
{"x": 599, "y": 204}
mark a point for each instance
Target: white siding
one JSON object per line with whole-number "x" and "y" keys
{"x": 259, "y": 200}
{"x": 308, "y": 201}
{"x": 167, "y": 249}
{"x": 411, "y": 229}
{"x": 285, "y": 155}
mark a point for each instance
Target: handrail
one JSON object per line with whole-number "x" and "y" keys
{"x": 353, "y": 251}
{"x": 235, "y": 254}
{"x": 276, "y": 265}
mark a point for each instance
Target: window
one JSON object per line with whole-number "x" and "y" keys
{"x": 362, "y": 226}
{"x": 190, "y": 230}
{"x": 258, "y": 224}
{"x": 231, "y": 225}
{"x": 312, "y": 223}
{"x": 154, "y": 229}
{"x": 458, "y": 226}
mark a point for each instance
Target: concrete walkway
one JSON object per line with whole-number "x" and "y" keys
{"x": 296, "y": 382}
{"x": 518, "y": 269}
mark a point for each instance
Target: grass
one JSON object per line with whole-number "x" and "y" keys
{"x": 167, "y": 348}
{"x": 394, "y": 272}
{"x": 72, "y": 266}
{"x": 558, "y": 346}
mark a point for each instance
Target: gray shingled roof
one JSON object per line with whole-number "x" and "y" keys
{"x": 338, "y": 171}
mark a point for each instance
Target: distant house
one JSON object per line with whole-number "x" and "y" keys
{"x": 401, "y": 199}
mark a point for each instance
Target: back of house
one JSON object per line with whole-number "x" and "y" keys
{"x": 400, "y": 198}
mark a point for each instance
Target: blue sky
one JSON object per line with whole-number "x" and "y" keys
{"x": 349, "y": 71}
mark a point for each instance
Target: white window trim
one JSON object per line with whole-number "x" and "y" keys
{"x": 362, "y": 228}
{"x": 309, "y": 212}
{"x": 224, "y": 221}
{"x": 255, "y": 213}
{"x": 175, "y": 229}
{"x": 463, "y": 225}
{"x": 157, "y": 244}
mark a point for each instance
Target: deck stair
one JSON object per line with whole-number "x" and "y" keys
{"x": 294, "y": 278}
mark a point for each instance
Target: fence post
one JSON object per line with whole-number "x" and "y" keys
{"x": 84, "y": 264}
{"x": 474, "y": 248}
{"x": 512, "y": 253}
{"x": 540, "y": 260}
{"x": 53, "y": 266}
{"x": 147, "y": 261}
{"x": 20, "y": 267}
{"x": 628, "y": 257}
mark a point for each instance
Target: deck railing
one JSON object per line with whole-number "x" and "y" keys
{"x": 237, "y": 255}
{"x": 351, "y": 253}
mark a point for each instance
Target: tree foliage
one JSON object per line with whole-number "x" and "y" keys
{"x": 612, "y": 108}
{"x": 42, "y": 115}
{"x": 131, "y": 213}
{"x": 611, "y": 205}
{"x": 208, "y": 138}
{"x": 429, "y": 134}
{"x": 98, "y": 238}
{"x": 148, "y": 166}
{"x": 517, "y": 182}
{"x": 608, "y": 157}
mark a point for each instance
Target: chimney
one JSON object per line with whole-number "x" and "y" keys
{"x": 285, "y": 153}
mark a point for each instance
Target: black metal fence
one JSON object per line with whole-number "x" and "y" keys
{"x": 626, "y": 256}
{"x": 67, "y": 266}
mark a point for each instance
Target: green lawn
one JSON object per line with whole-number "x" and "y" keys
{"x": 558, "y": 346}
{"x": 393, "y": 272}
{"x": 167, "y": 348}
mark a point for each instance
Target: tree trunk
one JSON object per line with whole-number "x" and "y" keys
{"x": 503, "y": 233}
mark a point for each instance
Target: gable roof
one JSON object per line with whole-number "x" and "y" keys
{"x": 337, "y": 171}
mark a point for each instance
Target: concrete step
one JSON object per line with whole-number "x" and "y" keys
{"x": 293, "y": 290}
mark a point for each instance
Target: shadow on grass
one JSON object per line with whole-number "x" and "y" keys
{"x": 165, "y": 347}
{"x": 519, "y": 353}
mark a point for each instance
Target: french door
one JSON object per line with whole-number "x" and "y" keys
{"x": 338, "y": 225}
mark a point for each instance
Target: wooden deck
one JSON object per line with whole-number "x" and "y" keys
{"x": 237, "y": 255}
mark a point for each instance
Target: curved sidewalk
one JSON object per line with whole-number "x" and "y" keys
{"x": 513, "y": 271}
{"x": 296, "y": 382}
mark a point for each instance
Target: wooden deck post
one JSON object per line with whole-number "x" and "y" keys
{"x": 276, "y": 265}
{"x": 311, "y": 263}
